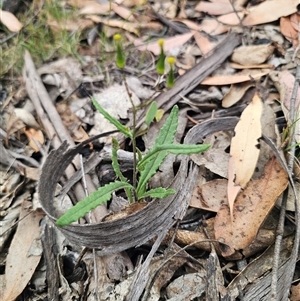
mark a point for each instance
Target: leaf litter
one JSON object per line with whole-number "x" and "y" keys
{"x": 233, "y": 210}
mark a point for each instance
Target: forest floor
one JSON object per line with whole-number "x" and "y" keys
{"x": 220, "y": 224}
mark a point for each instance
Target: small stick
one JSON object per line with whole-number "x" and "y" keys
{"x": 288, "y": 276}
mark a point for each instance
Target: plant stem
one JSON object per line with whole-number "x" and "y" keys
{"x": 133, "y": 139}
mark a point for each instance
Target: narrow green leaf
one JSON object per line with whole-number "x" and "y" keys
{"x": 139, "y": 153}
{"x": 95, "y": 199}
{"x": 184, "y": 149}
{"x": 165, "y": 136}
{"x": 168, "y": 130}
{"x": 158, "y": 193}
{"x": 151, "y": 113}
{"x": 123, "y": 129}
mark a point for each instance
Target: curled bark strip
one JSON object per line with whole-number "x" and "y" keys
{"x": 135, "y": 229}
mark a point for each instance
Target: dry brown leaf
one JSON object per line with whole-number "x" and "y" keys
{"x": 69, "y": 25}
{"x": 213, "y": 27}
{"x": 288, "y": 30}
{"x": 193, "y": 26}
{"x": 262, "y": 66}
{"x": 284, "y": 82}
{"x": 251, "y": 208}
{"x": 80, "y": 135}
{"x": 131, "y": 27}
{"x": 93, "y": 7}
{"x": 269, "y": 11}
{"x": 295, "y": 292}
{"x": 26, "y": 117}
{"x": 210, "y": 196}
{"x": 235, "y": 93}
{"x": 10, "y": 21}
{"x": 295, "y": 21}
{"x": 35, "y": 137}
{"x": 80, "y": 3}
{"x": 234, "y": 78}
{"x": 155, "y": 26}
{"x": 71, "y": 122}
{"x": 210, "y": 26}
{"x": 215, "y": 158}
{"x": 244, "y": 149}
{"x": 203, "y": 42}
{"x": 215, "y": 8}
{"x": 130, "y": 3}
{"x": 169, "y": 43}
{"x": 32, "y": 173}
{"x": 167, "y": 8}
{"x": 231, "y": 19}
{"x": 252, "y": 55}
{"x": 22, "y": 258}
{"x": 123, "y": 12}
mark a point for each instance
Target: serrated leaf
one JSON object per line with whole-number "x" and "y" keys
{"x": 151, "y": 113}
{"x": 123, "y": 129}
{"x": 176, "y": 149}
{"x": 165, "y": 136}
{"x": 95, "y": 199}
{"x": 158, "y": 193}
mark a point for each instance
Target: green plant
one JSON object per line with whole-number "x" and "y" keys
{"x": 144, "y": 166}
{"x": 147, "y": 167}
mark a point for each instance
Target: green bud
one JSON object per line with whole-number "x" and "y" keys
{"x": 160, "y": 65}
{"x": 171, "y": 77}
{"x": 120, "y": 60}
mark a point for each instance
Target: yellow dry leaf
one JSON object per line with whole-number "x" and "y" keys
{"x": 244, "y": 149}
{"x": 130, "y": 3}
{"x": 93, "y": 7}
{"x": 220, "y": 8}
{"x": 35, "y": 137}
{"x": 234, "y": 78}
{"x": 123, "y": 12}
{"x": 269, "y": 11}
{"x": 235, "y": 93}
{"x": 69, "y": 25}
{"x": 231, "y": 18}
{"x": 204, "y": 42}
{"x": 261, "y": 66}
{"x": 23, "y": 257}
{"x": 213, "y": 27}
{"x": 10, "y": 21}
{"x": 253, "y": 54}
{"x": 131, "y": 27}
